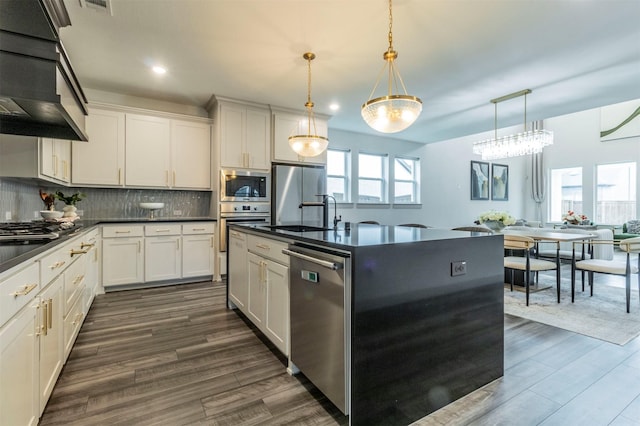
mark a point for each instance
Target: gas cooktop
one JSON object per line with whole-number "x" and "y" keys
{"x": 26, "y": 232}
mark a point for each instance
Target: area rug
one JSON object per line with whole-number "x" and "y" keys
{"x": 602, "y": 316}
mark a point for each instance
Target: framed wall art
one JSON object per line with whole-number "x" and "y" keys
{"x": 499, "y": 182}
{"x": 479, "y": 180}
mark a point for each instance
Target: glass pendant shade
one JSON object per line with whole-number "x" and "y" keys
{"x": 308, "y": 145}
{"x": 391, "y": 114}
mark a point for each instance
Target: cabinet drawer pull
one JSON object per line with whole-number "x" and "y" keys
{"x": 163, "y": 230}
{"x": 211, "y": 241}
{"x": 197, "y": 229}
{"x": 83, "y": 245}
{"x": 119, "y": 176}
{"x": 77, "y": 318}
{"x": 45, "y": 318}
{"x": 78, "y": 279}
{"x": 177, "y": 244}
{"x": 26, "y": 289}
{"x": 73, "y": 252}
{"x": 50, "y": 313}
{"x": 57, "y": 264}
{"x": 263, "y": 246}
{"x": 123, "y": 232}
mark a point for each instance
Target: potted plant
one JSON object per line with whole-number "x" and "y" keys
{"x": 496, "y": 220}
{"x": 70, "y": 203}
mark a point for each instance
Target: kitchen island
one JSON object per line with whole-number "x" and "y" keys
{"x": 424, "y": 315}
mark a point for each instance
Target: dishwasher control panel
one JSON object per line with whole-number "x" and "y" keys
{"x": 309, "y": 276}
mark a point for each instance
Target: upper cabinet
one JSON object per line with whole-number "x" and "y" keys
{"x": 288, "y": 123}
{"x": 100, "y": 162}
{"x": 147, "y": 151}
{"x": 143, "y": 150}
{"x": 190, "y": 154}
{"x": 244, "y": 134}
{"x": 34, "y": 157}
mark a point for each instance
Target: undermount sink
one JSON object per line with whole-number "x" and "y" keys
{"x": 297, "y": 228}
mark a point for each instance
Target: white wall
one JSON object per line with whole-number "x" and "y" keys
{"x": 445, "y": 191}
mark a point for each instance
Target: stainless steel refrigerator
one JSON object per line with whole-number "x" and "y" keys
{"x": 291, "y": 185}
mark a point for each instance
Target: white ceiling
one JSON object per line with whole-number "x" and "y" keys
{"x": 455, "y": 55}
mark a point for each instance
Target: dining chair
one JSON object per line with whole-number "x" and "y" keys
{"x": 370, "y": 222}
{"x": 613, "y": 267}
{"x": 415, "y": 225}
{"x": 527, "y": 264}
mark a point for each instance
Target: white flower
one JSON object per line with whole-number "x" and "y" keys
{"x": 493, "y": 215}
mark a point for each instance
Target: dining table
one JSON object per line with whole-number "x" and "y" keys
{"x": 545, "y": 235}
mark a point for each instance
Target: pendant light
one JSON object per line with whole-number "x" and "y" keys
{"x": 525, "y": 143}
{"x": 311, "y": 144}
{"x": 391, "y": 113}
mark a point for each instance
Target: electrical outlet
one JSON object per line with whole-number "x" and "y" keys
{"x": 458, "y": 268}
{"x": 177, "y": 212}
{"x": 7, "y": 216}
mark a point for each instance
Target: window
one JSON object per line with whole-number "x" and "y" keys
{"x": 566, "y": 192}
{"x": 615, "y": 193}
{"x": 406, "y": 178}
{"x": 372, "y": 175}
{"x": 338, "y": 173}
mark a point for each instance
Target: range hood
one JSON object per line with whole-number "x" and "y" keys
{"x": 39, "y": 92}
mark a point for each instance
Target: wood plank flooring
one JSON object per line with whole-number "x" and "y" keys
{"x": 177, "y": 356}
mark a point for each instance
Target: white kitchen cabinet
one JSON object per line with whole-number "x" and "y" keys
{"x": 33, "y": 157}
{"x": 71, "y": 325}
{"x": 287, "y": 123}
{"x": 19, "y": 368}
{"x": 268, "y": 289}
{"x": 198, "y": 252}
{"x": 162, "y": 252}
{"x": 190, "y": 155}
{"x": 256, "y": 303}
{"x": 91, "y": 243}
{"x": 50, "y": 333}
{"x": 147, "y": 151}
{"x": 55, "y": 159}
{"x": 122, "y": 254}
{"x": 238, "y": 273}
{"x": 101, "y": 160}
{"x": 244, "y": 136}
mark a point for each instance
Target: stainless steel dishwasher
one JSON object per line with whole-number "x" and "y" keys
{"x": 320, "y": 291}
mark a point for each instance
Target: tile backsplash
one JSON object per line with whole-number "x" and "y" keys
{"x": 22, "y": 200}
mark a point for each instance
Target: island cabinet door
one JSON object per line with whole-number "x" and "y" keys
{"x": 237, "y": 275}
{"x": 277, "y": 305}
{"x": 256, "y": 307}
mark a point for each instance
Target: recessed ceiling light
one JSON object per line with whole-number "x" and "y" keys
{"x": 334, "y": 107}
{"x": 159, "y": 70}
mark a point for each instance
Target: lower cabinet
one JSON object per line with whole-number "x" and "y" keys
{"x": 162, "y": 252}
{"x": 259, "y": 284}
{"x": 237, "y": 275}
{"x": 50, "y": 332}
{"x": 122, "y": 254}
{"x": 19, "y": 367}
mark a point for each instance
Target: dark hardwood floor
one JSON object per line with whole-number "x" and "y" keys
{"x": 176, "y": 356}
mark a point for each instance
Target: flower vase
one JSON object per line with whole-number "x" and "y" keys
{"x": 495, "y": 225}
{"x": 69, "y": 211}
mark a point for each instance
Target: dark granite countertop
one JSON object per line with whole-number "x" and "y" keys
{"x": 362, "y": 235}
{"x": 13, "y": 254}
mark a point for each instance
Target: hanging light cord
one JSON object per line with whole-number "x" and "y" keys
{"x": 309, "y": 104}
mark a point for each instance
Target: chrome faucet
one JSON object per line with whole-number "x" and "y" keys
{"x": 325, "y": 209}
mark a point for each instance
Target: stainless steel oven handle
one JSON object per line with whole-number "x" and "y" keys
{"x": 329, "y": 265}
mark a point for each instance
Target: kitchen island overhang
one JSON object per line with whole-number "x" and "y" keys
{"x": 423, "y": 331}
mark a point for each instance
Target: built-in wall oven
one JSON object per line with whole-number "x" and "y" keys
{"x": 237, "y": 212}
{"x": 245, "y": 186}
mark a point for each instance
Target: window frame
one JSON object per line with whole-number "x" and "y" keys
{"x": 384, "y": 179}
{"x": 597, "y": 190}
{"x": 415, "y": 182}
{"x": 347, "y": 176}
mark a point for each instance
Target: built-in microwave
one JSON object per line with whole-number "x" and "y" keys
{"x": 245, "y": 185}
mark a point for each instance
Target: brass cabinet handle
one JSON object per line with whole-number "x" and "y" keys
{"x": 57, "y": 264}
{"x": 73, "y": 252}
{"x": 123, "y": 232}
{"x": 263, "y": 246}
{"x": 77, "y": 319}
{"x": 197, "y": 229}
{"x": 55, "y": 165}
{"x": 178, "y": 244}
{"x": 163, "y": 230}
{"x": 50, "y": 313}
{"x": 26, "y": 289}
{"x": 211, "y": 241}
{"x": 78, "y": 279}
{"x": 119, "y": 176}
{"x": 83, "y": 245}
{"x": 45, "y": 318}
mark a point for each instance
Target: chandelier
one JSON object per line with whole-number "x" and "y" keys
{"x": 311, "y": 144}
{"x": 391, "y": 113}
{"x": 527, "y": 142}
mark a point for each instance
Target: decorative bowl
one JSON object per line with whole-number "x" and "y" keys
{"x": 50, "y": 214}
{"x": 151, "y": 206}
